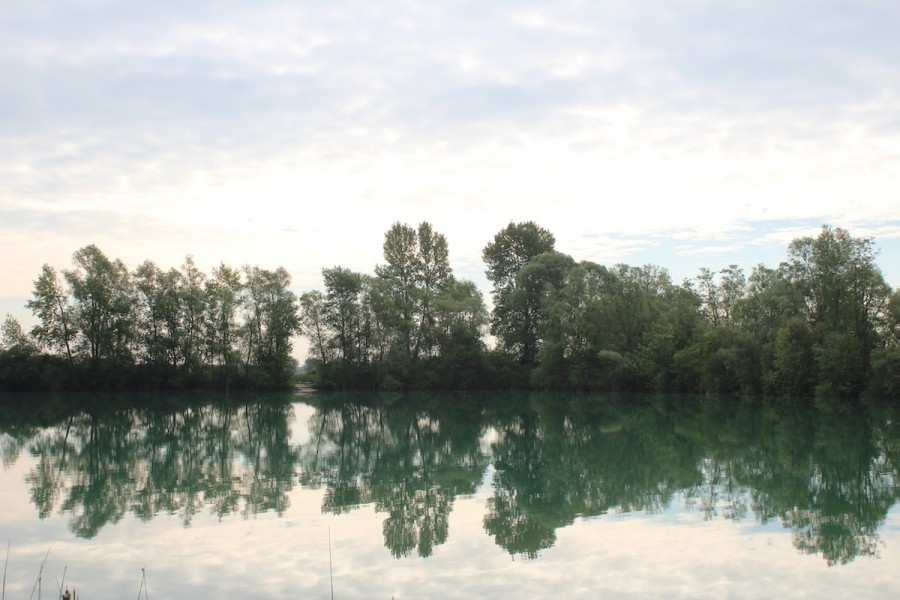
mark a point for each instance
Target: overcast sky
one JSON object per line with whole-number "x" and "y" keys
{"x": 682, "y": 133}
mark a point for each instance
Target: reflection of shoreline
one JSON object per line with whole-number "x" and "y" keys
{"x": 97, "y": 468}
{"x": 825, "y": 472}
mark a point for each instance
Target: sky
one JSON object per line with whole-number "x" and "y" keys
{"x": 686, "y": 133}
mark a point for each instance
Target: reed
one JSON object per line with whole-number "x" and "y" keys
{"x": 143, "y": 587}
{"x": 60, "y": 584}
{"x": 330, "y": 571}
{"x": 64, "y": 593}
{"x": 5, "y": 564}
{"x": 37, "y": 583}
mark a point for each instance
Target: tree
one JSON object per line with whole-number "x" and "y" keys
{"x": 512, "y": 321}
{"x": 719, "y": 298}
{"x": 537, "y": 286}
{"x": 844, "y": 296}
{"x": 415, "y": 272}
{"x": 14, "y": 339}
{"x": 314, "y": 327}
{"x": 640, "y": 300}
{"x": 460, "y": 317}
{"x": 885, "y": 371}
{"x": 50, "y": 304}
{"x": 434, "y": 277}
{"x": 192, "y": 304}
{"x": 161, "y": 328}
{"x": 342, "y": 312}
{"x": 793, "y": 352}
{"x": 513, "y": 247}
{"x": 271, "y": 321}
{"x": 223, "y": 297}
{"x": 159, "y": 313}
{"x": 765, "y": 305}
{"x": 105, "y": 307}
{"x": 579, "y": 348}
{"x": 400, "y": 272}
{"x": 459, "y": 308}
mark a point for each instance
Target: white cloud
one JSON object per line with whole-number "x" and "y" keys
{"x": 295, "y": 134}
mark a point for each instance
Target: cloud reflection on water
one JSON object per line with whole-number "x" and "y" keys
{"x": 662, "y": 484}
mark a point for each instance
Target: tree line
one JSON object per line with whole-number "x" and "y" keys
{"x": 103, "y": 326}
{"x": 411, "y": 324}
{"x": 822, "y": 323}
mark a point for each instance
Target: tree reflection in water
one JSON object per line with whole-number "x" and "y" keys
{"x": 410, "y": 457}
{"x": 826, "y": 471}
{"x": 101, "y": 464}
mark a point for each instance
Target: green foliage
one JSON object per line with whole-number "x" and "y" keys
{"x": 794, "y": 368}
{"x": 614, "y": 372}
{"x": 720, "y": 297}
{"x": 515, "y": 316}
{"x": 27, "y": 371}
{"x": 14, "y": 339}
{"x": 271, "y": 319}
{"x": 809, "y": 327}
{"x": 824, "y": 323}
{"x": 152, "y": 329}
{"x": 844, "y": 297}
{"x": 504, "y": 372}
{"x": 413, "y": 325}
{"x": 223, "y": 298}
{"x": 56, "y": 331}
{"x": 191, "y": 304}
{"x": 416, "y": 272}
{"x": 103, "y": 294}
{"x": 885, "y": 377}
{"x": 159, "y": 307}
{"x": 530, "y": 303}
{"x": 839, "y": 363}
{"x": 514, "y": 247}
{"x": 726, "y": 362}
{"x": 342, "y": 310}
{"x": 314, "y": 327}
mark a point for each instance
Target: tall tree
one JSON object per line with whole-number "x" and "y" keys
{"x": 105, "y": 307}
{"x": 460, "y": 318}
{"x": 845, "y": 297}
{"x": 342, "y": 308}
{"x": 640, "y": 300}
{"x": 223, "y": 297}
{"x": 171, "y": 303}
{"x": 271, "y": 322}
{"x": 575, "y": 329}
{"x": 401, "y": 273}
{"x": 537, "y": 287}
{"x": 50, "y": 304}
{"x": 764, "y": 306}
{"x": 314, "y": 327}
{"x": 159, "y": 314}
{"x": 416, "y": 271}
{"x": 511, "y": 249}
{"x": 192, "y": 302}
{"x": 434, "y": 278}
{"x": 719, "y": 297}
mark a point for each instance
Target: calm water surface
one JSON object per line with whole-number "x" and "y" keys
{"x": 449, "y": 496}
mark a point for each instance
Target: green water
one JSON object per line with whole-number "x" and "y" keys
{"x": 444, "y": 495}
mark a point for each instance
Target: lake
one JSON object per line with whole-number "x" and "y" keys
{"x": 448, "y": 496}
